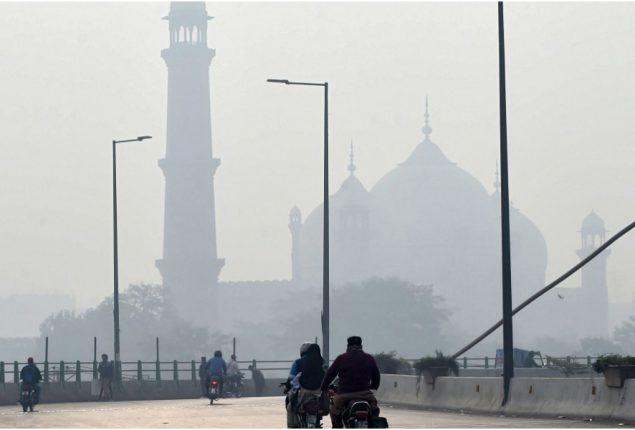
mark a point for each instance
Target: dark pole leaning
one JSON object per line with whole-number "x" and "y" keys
{"x": 508, "y": 337}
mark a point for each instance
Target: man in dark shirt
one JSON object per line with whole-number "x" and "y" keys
{"x": 358, "y": 374}
{"x": 30, "y": 375}
{"x": 106, "y": 372}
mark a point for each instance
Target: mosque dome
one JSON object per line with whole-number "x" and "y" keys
{"x": 427, "y": 221}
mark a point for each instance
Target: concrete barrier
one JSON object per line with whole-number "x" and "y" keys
{"x": 571, "y": 397}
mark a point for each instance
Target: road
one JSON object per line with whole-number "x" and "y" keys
{"x": 244, "y": 413}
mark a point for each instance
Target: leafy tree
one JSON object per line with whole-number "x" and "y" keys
{"x": 596, "y": 346}
{"x": 388, "y": 362}
{"x": 625, "y": 335}
{"x": 389, "y": 314}
{"x": 144, "y": 315}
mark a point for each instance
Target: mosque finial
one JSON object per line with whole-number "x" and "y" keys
{"x": 497, "y": 183}
{"x": 351, "y": 165}
{"x": 426, "y": 128}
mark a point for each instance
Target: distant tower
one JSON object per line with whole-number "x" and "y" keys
{"x": 295, "y": 225}
{"x": 190, "y": 265}
{"x": 594, "y": 286}
{"x": 351, "y": 208}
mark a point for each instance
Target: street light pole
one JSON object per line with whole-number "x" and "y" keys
{"x": 325, "y": 241}
{"x": 508, "y": 336}
{"x": 116, "y": 253}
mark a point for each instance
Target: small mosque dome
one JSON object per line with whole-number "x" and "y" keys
{"x": 593, "y": 224}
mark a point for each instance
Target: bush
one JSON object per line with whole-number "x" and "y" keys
{"x": 388, "y": 362}
{"x": 437, "y": 360}
{"x": 603, "y": 361}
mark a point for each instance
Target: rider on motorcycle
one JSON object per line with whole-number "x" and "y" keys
{"x": 358, "y": 374}
{"x": 294, "y": 367}
{"x": 30, "y": 375}
{"x": 217, "y": 367}
{"x": 305, "y": 377}
{"x": 233, "y": 372}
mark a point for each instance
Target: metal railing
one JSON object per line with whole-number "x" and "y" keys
{"x": 78, "y": 371}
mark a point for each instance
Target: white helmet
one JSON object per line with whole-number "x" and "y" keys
{"x": 304, "y": 347}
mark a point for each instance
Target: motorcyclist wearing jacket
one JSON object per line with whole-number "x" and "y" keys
{"x": 30, "y": 375}
{"x": 233, "y": 373}
{"x": 358, "y": 374}
{"x": 309, "y": 372}
{"x": 217, "y": 367}
{"x": 296, "y": 363}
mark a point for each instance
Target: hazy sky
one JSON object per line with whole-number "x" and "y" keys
{"x": 74, "y": 76}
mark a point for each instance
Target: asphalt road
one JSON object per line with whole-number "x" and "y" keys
{"x": 244, "y": 413}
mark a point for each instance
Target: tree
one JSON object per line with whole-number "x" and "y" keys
{"x": 598, "y": 346}
{"x": 145, "y": 314}
{"x": 624, "y": 335}
{"x": 388, "y": 313}
{"x": 388, "y": 362}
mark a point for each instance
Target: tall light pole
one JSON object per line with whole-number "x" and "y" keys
{"x": 508, "y": 337}
{"x": 325, "y": 245}
{"x": 115, "y": 251}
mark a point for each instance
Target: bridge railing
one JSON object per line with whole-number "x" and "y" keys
{"x": 78, "y": 371}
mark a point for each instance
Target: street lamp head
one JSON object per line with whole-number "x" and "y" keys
{"x": 140, "y": 138}
{"x": 279, "y": 81}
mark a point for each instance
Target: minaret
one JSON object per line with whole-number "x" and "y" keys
{"x": 295, "y": 225}
{"x": 594, "y": 291}
{"x": 190, "y": 265}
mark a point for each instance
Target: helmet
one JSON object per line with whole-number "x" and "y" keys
{"x": 304, "y": 347}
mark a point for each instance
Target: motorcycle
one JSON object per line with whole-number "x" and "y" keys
{"x": 27, "y": 397}
{"x": 234, "y": 385}
{"x": 359, "y": 413}
{"x": 309, "y": 412}
{"x": 213, "y": 389}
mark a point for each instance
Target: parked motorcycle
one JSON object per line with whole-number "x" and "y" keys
{"x": 213, "y": 389}
{"x": 27, "y": 397}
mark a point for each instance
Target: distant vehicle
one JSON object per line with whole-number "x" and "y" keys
{"x": 522, "y": 358}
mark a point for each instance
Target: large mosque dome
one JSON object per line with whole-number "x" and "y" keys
{"x": 430, "y": 222}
